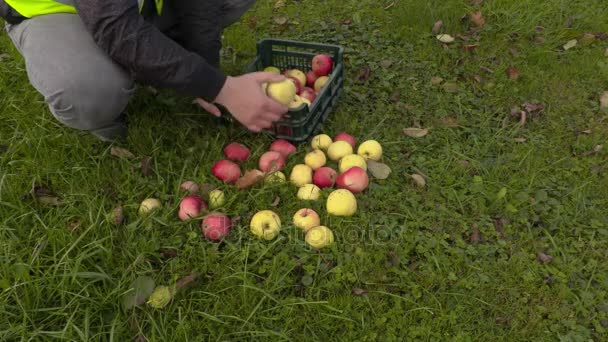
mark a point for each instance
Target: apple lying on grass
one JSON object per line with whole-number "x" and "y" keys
{"x": 226, "y": 171}
{"x": 236, "y": 152}
{"x": 191, "y": 207}
{"x": 271, "y": 161}
{"x": 306, "y": 218}
{"x": 216, "y": 226}
{"x": 346, "y": 137}
{"x": 341, "y": 202}
{"x": 325, "y": 177}
{"x": 319, "y": 237}
{"x": 282, "y": 146}
{"x": 265, "y": 224}
{"x": 354, "y": 180}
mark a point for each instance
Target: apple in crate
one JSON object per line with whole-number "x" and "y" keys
{"x": 322, "y": 64}
{"x": 297, "y": 75}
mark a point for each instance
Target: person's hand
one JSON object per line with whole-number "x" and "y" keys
{"x": 244, "y": 98}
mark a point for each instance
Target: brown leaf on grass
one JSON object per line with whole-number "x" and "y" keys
{"x": 475, "y": 235}
{"x": 74, "y": 225}
{"x": 185, "y": 281}
{"x": 604, "y": 99}
{"x": 393, "y": 258}
{"x": 168, "y": 253}
{"x": 395, "y": 96}
{"x": 146, "y": 166}
{"x": 513, "y": 73}
{"x": 280, "y": 20}
{"x": 3, "y": 56}
{"x": 539, "y": 40}
{"x": 587, "y": 38}
{"x": 276, "y": 202}
{"x": 121, "y": 152}
{"x": 513, "y": 52}
{"x": 359, "y": 291}
{"x": 449, "y": 121}
{"x": 450, "y": 87}
{"x": 594, "y": 151}
{"x": 570, "y": 44}
{"x": 347, "y": 22}
{"x": 463, "y": 163}
{"x": 601, "y": 35}
{"x": 249, "y": 179}
{"x": 477, "y": 19}
{"x": 252, "y": 23}
{"x": 520, "y": 140}
{"x": 469, "y": 47}
{"x": 533, "y": 109}
{"x": 586, "y": 131}
{"x": 544, "y": 258}
{"x": 478, "y": 78}
{"x": 486, "y": 69}
{"x": 499, "y": 225}
{"x": 415, "y": 132}
{"x": 364, "y": 74}
{"x": 279, "y": 4}
{"x": 205, "y": 188}
{"x": 117, "y": 216}
{"x": 437, "y": 27}
{"x": 435, "y": 80}
{"x": 386, "y": 63}
{"x": 46, "y": 196}
{"x": 378, "y": 170}
{"x": 419, "y": 180}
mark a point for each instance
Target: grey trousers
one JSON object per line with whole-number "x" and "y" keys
{"x": 83, "y": 87}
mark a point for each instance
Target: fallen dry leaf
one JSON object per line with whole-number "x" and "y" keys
{"x": 395, "y": 96}
{"x": 469, "y": 47}
{"x": 168, "y": 253}
{"x": 386, "y": 63}
{"x": 364, "y": 74}
{"x": 604, "y": 100}
{"x": 477, "y": 19}
{"x": 463, "y": 163}
{"x": 449, "y": 121}
{"x": 513, "y": 52}
{"x": 186, "y": 280}
{"x": 450, "y": 87}
{"x": 445, "y": 38}
{"x": 46, "y": 196}
{"x": 437, "y": 27}
{"x": 595, "y": 150}
{"x": 359, "y": 291}
{"x": 478, "y": 78}
{"x": 475, "y": 235}
{"x": 205, "y": 189}
{"x": 117, "y": 216}
{"x": 587, "y": 38}
{"x": 435, "y": 80}
{"x": 74, "y": 224}
{"x": 249, "y": 179}
{"x": 121, "y": 152}
{"x": 533, "y": 108}
{"x": 544, "y": 258}
{"x": 520, "y": 140}
{"x": 499, "y": 226}
{"x": 347, "y": 22}
{"x": 419, "y": 180}
{"x": 486, "y": 69}
{"x": 276, "y": 202}
{"x": 393, "y": 258}
{"x": 415, "y": 132}
{"x": 513, "y": 73}
{"x": 280, "y": 20}
{"x": 146, "y": 166}
{"x": 378, "y": 170}
{"x": 279, "y": 4}
{"x": 570, "y": 44}
{"x": 586, "y": 131}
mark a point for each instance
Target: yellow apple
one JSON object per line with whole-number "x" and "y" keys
{"x": 370, "y": 150}
{"x": 298, "y": 75}
{"x": 148, "y": 205}
{"x": 321, "y": 142}
{"x": 320, "y": 83}
{"x": 307, "y": 101}
{"x": 309, "y": 192}
{"x": 352, "y": 160}
{"x": 341, "y": 202}
{"x": 301, "y": 174}
{"x": 265, "y": 224}
{"x": 275, "y": 177}
{"x": 216, "y": 198}
{"x": 319, "y": 237}
{"x": 296, "y": 102}
{"x": 306, "y": 218}
{"x": 315, "y": 159}
{"x": 339, "y": 149}
{"x": 282, "y": 92}
{"x": 272, "y": 69}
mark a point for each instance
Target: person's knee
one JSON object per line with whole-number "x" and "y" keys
{"x": 88, "y": 103}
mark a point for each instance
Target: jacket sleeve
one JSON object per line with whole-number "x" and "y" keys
{"x": 119, "y": 30}
{"x": 200, "y": 26}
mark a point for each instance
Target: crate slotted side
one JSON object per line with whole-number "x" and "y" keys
{"x": 301, "y": 123}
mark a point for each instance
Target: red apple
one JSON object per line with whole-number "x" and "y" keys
{"x": 272, "y": 161}
{"x": 226, "y": 171}
{"x": 311, "y": 77}
{"x": 346, "y": 137}
{"x": 216, "y": 226}
{"x": 296, "y": 83}
{"x": 190, "y": 207}
{"x": 297, "y": 75}
{"x": 236, "y": 151}
{"x": 308, "y": 93}
{"x": 322, "y": 64}
{"x": 189, "y": 186}
{"x": 282, "y": 146}
{"x": 324, "y": 177}
{"x": 354, "y": 180}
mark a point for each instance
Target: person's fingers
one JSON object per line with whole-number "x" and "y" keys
{"x": 264, "y": 76}
{"x": 275, "y": 107}
{"x": 211, "y": 108}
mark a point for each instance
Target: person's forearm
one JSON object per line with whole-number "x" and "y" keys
{"x": 153, "y": 58}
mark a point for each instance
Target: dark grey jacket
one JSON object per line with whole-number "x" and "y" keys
{"x": 190, "y": 67}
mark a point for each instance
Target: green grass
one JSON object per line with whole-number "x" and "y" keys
{"x": 407, "y": 247}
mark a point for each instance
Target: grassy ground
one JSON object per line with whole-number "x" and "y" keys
{"x": 409, "y": 265}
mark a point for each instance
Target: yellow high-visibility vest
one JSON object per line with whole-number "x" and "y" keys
{"x": 33, "y": 8}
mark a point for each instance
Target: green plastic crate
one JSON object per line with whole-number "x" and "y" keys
{"x": 302, "y": 123}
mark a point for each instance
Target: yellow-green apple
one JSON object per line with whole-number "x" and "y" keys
{"x": 311, "y": 77}
{"x": 190, "y": 207}
{"x": 309, "y": 192}
{"x": 319, "y": 237}
{"x": 216, "y": 198}
{"x": 308, "y": 93}
{"x": 306, "y": 218}
{"x": 189, "y": 186}
{"x": 301, "y": 174}
{"x": 296, "y": 103}
{"x": 265, "y": 224}
{"x": 148, "y": 205}
{"x": 352, "y": 160}
{"x": 370, "y": 150}
{"x": 321, "y": 142}
{"x": 236, "y": 152}
{"x": 272, "y": 69}
{"x": 282, "y": 91}
{"x": 324, "y": 177}
{"x": 315, "y": 159}
{"x": 297, "y": 75}
{"x": 346, "y": 137}
{"x": 282, "y": 146}
{"x": 341, "y": 202}
{"x": 216, "y": 226}
{"x": 339, "y": 149}
{"x": 354, "y": 180}
{"x": 322, "y": 64}
{"x": 275, "y": 177}
{"x": 226, "y": 171}
{"x": 320, "y": 83}
{"x": 271, "y": 161}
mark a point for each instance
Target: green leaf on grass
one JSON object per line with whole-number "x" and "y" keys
{"x": 140, "y": 290}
